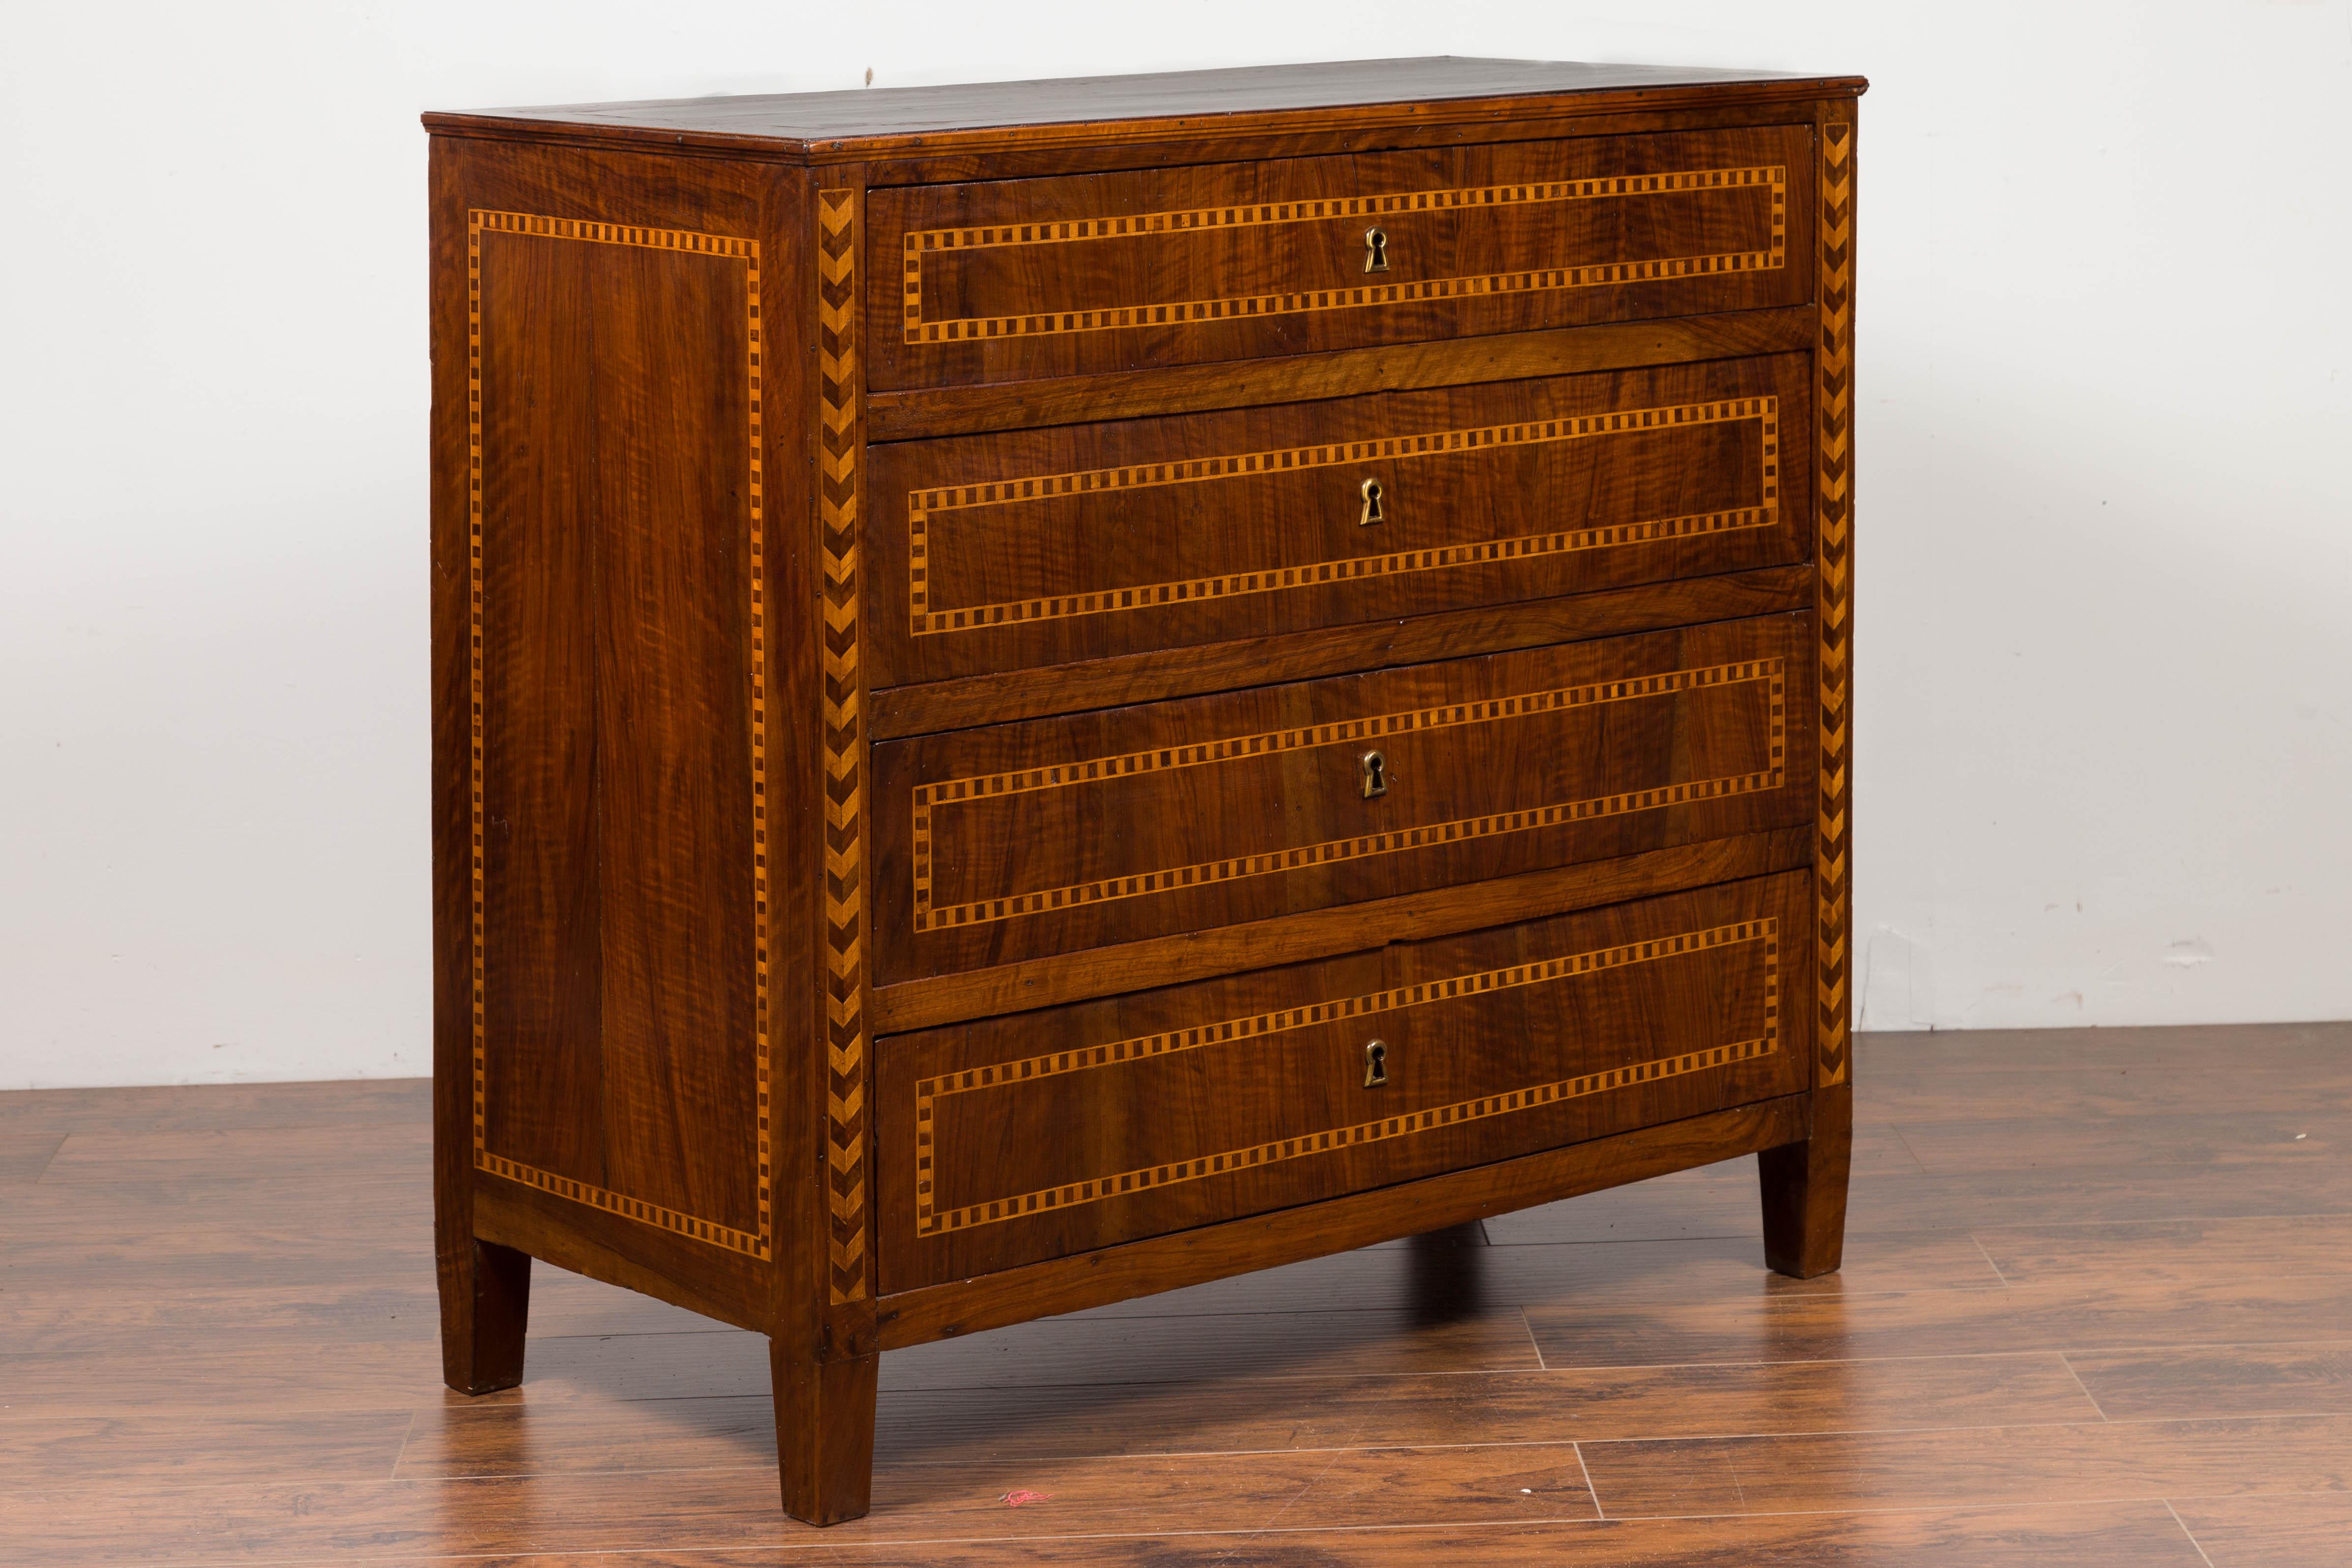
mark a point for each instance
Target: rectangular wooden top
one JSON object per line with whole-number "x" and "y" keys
{"x": 883, "y": 122}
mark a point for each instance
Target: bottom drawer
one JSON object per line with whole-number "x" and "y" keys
{"x": 1017, "y": 1139}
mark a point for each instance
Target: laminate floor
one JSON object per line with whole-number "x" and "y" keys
{"x": 2096, "y": 1309}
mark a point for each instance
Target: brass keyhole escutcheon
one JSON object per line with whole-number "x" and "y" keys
{"x": 1376, "y": 773}
{"x": 1376, "y": 250}
{"x": 1376, "y": 1064}
{"x": 1375, "y": 503}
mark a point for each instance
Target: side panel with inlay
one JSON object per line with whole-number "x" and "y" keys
{"x": 614, "y": 470}
{"x": 1008, "y": 279}
{"x": 1024, "y": 840}
{"x": 1015, "y": 1139}
{"x": 1051, "y": 546}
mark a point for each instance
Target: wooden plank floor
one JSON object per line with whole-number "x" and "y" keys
{"x": 2097, "y": 1309}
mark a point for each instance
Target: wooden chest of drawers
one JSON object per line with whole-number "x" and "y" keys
{"x": 1049, "y": 692}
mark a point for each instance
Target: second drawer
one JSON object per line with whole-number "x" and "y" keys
{"x": 1025, "y": 840}
{"x": 996, "y": 553}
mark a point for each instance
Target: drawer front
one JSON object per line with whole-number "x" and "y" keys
{"x": 1052, "y": 1133}
{"x": 1005, "y": 280}
{"x": 996, "y": 553}
{"x": 1025, "y": 840}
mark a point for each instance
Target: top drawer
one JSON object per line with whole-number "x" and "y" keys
{"x": 1011, "y": 279}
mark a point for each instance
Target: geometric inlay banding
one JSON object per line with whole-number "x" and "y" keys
{"x": 933, "y": 796}
{"x": 1834, "y": 579}
{"x": 920, "y": 244}
{"x": 725, "y": 247}
{"x": 931, "y": 1220}
{"x": 839, "y": 439}
{"x": 925, "y": 506}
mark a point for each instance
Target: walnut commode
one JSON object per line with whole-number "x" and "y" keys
{"x": 1047, "y": 691}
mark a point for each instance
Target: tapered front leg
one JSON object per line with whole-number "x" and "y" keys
{"x": 825, "y": 1433}
{"x": 1804, "y": 1190}
{"x": 485, "y": 1307}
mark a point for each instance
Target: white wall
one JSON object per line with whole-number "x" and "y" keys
{"x": 2106, "y": 536}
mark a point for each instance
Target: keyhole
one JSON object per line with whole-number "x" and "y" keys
{"x": 1375, "y": 508}
{"x": 1376, "y": 1064}
{"x": 1376, "y": 774}
{"x": 1376, "y": 250}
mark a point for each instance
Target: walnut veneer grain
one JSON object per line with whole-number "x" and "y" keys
{"x": 984, "y": 638}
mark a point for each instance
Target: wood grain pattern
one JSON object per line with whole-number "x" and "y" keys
{"x": 1133, "y": 1268}
{"x": 1229, "y": 1516}
{"x": 2171, "y": 1383}
{"x": 1328, "y": 550}
{"x": 1025, "y": 1422}
{"x": 2167, "y": 1250}
{"x": 1008, "y": 281}
{"x": 25, "y": 1156}
{"x": 2215, "y": 1311}
{"x": 920, "y": 245}
{"x": 2089, "y": 1461}
{"x": 250, "y": 1373}
{"x": 1247, "y": 106}
{"x": 996, "y": 554}
{"x": 625, "y": 874}
{"x": 1122, "y": 679}
{"x": 2277, "y": 1531}
{"x": 925, "y": 507}
{"x": 1288, "y": 938}
{"x": 1057, "y": 836}
{"x": 1183, "y": 389}
{"x": 2280, "y": 1137}
{"x": 2117, "y": 1535}
{"x": 1201, "y": 1106}
{"x": 933, "y": 800}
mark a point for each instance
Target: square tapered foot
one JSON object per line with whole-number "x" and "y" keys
{"x": 1804, "y": 1190}
{"x": 485, "y": 1308}
{"x": 824, "y": 1434}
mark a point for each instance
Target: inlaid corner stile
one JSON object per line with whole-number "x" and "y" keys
{"x": 839, "y": 395}
{"x": 1834, "y": 368}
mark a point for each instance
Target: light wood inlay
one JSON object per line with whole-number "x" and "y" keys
{"x": 924, "y": 506}
{"x": 839, "y": 379}
{"x": 928, "y": 797}
{"x": 725, "y": 247}
{"x": 922, "y": 243}
{"x": 1834, "y": 368}
{"x": 1468, "y": 729}
{"x": 931, "y": 1220}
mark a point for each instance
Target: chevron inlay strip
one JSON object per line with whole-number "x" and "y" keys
{"x": 932, "y": 1220}
{"x": 922, "y": 243}
{"x": 691, "y": 242}
{"x": 838, "y": 384}
{"x": 924, "y": 506}
{"x": 1834, "y": 396}
{"x": 929, "y": 797}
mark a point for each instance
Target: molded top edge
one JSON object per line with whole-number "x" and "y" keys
{"x": 884, "y": 121}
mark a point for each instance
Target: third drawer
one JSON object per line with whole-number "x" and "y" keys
{"x": 1025, "y": 840}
